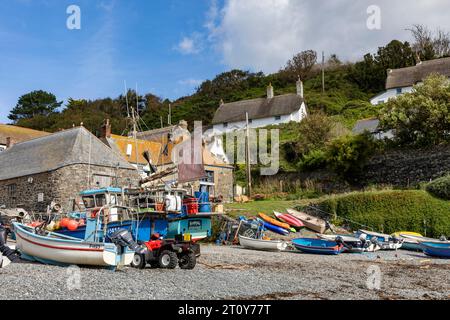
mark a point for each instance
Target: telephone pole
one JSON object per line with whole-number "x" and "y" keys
{"x": 247, "y": 158}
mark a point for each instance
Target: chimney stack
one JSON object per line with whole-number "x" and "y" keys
{"x": 9, "y": 142}
{"x": 270, "y": 91}
{"x": 106, "y": 129}
{"x": 300, "y": 87}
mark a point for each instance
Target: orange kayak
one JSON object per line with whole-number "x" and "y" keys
{"x": 274, "y": 221}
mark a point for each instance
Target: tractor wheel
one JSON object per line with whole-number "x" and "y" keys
{"x": 138, "y": 261}
{"x": 168, "y": 260}
{"x": 187, "y": 261}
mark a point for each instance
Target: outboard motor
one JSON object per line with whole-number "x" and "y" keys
{"x": 124, "y": 238}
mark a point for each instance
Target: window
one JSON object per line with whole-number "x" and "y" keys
{"x": 89, "y": 202}
{"x": 399, "y": 90}
{"x": 100, "y": 200}
{"x": 277, "y": 118}
{"x": 12, "y": 188}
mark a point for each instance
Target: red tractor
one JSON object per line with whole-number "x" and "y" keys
{"x": 167, "y": 254}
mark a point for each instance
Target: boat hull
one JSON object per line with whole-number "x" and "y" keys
{"x": 439, "y": 250}
{"x": 312, "y": 223}
{"x": 318, "y": 246}
{"x": 259, "y": 244}
{"x": 289, "y": 219}
{"x": 68, "y": 251}
{"x": 274, "y": 228}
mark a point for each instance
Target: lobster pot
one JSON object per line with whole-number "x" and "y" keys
{"x": 203, "y": 202}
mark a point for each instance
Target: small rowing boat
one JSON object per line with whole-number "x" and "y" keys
{"x": 289, "y": 219}
{"x": 274, "y": 222}
{"x": 435, "y": 249}
{"x": 260, "y": 244}
{"x": 316, "y": 224}
{"x": 318, "y": 246}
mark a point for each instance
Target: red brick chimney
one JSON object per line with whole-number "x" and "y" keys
{"x": 106, "y": 130}
{"x": 10, "y": 142}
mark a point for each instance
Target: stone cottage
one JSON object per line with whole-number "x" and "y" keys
{"x": 57, "y": 167}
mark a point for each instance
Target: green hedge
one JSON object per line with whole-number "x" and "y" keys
{"x": 440, "y": 187}
{"x": 392, "y": 211}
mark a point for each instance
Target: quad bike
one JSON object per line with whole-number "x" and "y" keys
{"x": 167, "y": 254}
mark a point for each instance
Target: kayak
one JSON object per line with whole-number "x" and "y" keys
{"x": 289, "y": 219}
{"x": 274, "y": 228}
{"x": 274, "y": 222}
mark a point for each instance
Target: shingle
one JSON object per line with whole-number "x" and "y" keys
{"x": 74, "y": 146}
{"x": 258, "y": 108}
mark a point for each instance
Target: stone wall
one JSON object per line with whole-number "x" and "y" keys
{"x": 407, "y": 167}
{"x": 60, "y": 185}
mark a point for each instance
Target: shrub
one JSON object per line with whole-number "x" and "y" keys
{"x": 440, "y": 188}
{"x": 314, "y": 160}
{"x": 347, "y": 155}
{"x": 392, "y": 211}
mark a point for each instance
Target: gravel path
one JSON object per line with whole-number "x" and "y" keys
{"x": 235, "y": 273}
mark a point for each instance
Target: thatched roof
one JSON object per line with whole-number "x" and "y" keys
{"x": 69, "y": 147}
{"x": 410, "y": 76}
{"x": 258, "y": 108}
{"x": 18, "y": 134}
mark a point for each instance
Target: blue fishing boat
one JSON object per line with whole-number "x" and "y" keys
{"x": 318, "y": 246}
{"x": 436, "y": 249}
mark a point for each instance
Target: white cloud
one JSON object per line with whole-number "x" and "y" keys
{"x": 191, "y": 44}
{"x": 264, "y": 34}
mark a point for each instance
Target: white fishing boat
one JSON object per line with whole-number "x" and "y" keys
{"x": 310, "y": 222}
{"x": 353, "y": 244}
{"x": 52, "y": 248}
{"x": 385, "y": 241}
{"x": 260, "y": 244}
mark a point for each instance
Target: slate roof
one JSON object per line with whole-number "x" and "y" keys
{"x": 58, "y": 150}
{"x": 19, "y": 134}
{"x": 410, "y": 76}
{"x": 258, "y": 108}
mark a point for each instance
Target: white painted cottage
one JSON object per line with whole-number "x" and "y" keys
{"x": 262, "y": 112}
{"x": 400, "y": 81}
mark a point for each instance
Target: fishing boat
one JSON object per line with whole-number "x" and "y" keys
{"x": 274, "y": 222}
{"x": 289, "y": 219}
{"x": 385, "y": 241}
{"x": 353, "y": 244}
{"x": 435, "y": 249}
{"x": 318, "y": 246}
{"x": 261, "y": 244}
{"x": 316, "y": 224}
{"x": 52, "y": 248}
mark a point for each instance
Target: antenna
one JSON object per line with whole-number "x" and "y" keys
{"x": 126, "y": 97}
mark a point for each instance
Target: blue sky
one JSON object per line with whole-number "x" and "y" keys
{"x": 169, "y": 46}
{"x": 136, "y": 41}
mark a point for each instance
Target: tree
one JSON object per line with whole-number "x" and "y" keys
{"x": 33, "y": 104}
{"x": 301, "y": 64}
{"x": 429, "y": 45}
{"x": 370, "y": 74}
{"x": 422, "y": 117}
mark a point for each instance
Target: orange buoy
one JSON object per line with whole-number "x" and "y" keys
{"x": 64, "y": 222}
{"x": 72, "y": 225}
